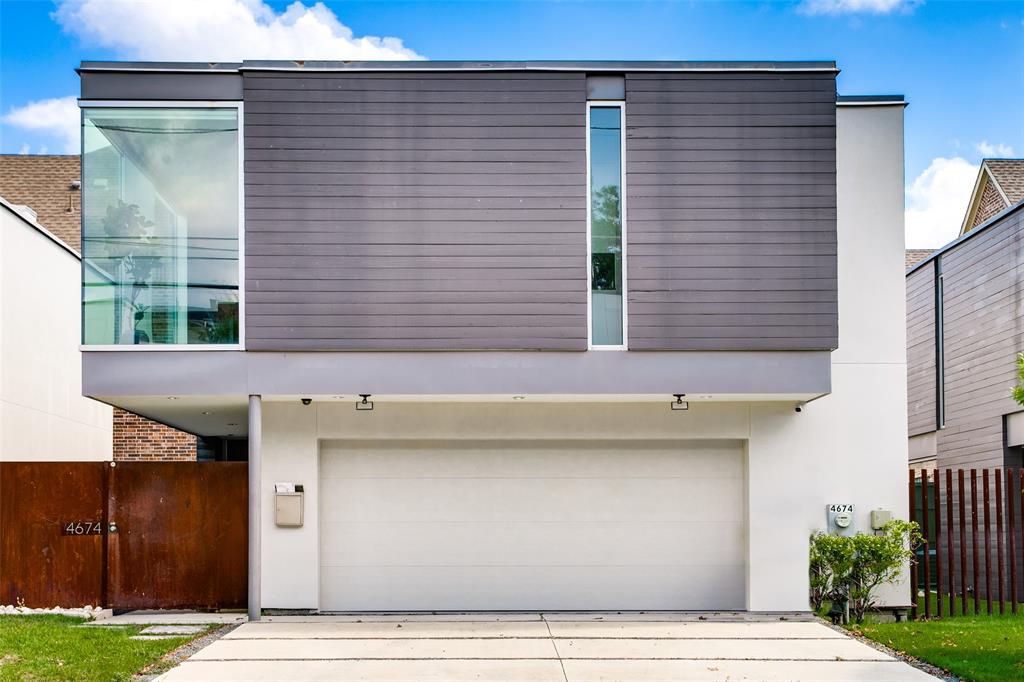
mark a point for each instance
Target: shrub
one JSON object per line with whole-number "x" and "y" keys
{"x": 831, "y": 565}
{"x": 852, "y": 568}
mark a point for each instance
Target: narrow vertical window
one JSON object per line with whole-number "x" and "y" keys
{"x": 605, "y": 214}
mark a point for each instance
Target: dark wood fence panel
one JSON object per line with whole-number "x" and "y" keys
{"x": 181, "y": 539}
{"x": 51, "y": 533}
{"x": 914, "y": 583}
{"x": 972, "y": 538}
{"x": 1012, "y": 537}
{"x": 949, "y": 541}
{"x": 937, "y": 499}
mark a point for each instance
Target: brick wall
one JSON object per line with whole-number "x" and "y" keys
{"x": 991, "y": 203}
{"x": 138, "y": 438}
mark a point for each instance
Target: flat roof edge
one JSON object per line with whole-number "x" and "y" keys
{"x": 443, "y": 65}
{"x": 870, "y": 100}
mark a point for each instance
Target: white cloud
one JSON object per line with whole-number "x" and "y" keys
{"x": 221, "y": 30}
{"x": 25, "y": 148}
{"x": 998, "y": 150}
{"x": 937, "y": 201}
{"x": 57, "y": 117}
{"x": 813, "y": 7}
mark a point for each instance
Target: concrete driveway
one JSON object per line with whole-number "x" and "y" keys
{"x": 536, "y": 648}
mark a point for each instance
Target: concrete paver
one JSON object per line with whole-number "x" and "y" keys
{"x": 367, "y": 671}
{"x": 172, "y": 630}
{"x": 779, "y": 649}
{"x": 389, "y": 630}
{"x": 533, "y": 648}
{"x": 683, "y": 630}
{"x": 763, "y": 671}
{"x": 384, "y": 649}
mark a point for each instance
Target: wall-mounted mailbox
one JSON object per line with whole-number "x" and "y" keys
{"x": 288, "y": 503}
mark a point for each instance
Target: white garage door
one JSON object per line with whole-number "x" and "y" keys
{"x": 531, "y": 525}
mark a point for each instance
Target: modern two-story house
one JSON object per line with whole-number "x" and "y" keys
{"x": 526, "y": 335}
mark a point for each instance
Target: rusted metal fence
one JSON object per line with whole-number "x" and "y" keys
{"x": 972, "y": 521}
{"x": 128, "y": 536}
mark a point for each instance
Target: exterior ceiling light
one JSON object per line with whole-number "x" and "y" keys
{"x": 679, "y": 403}
{"x": 519, "y": 397}
{"x": 365, "y": 403}
{"x": 172, "y": 397}
{"x": 207, "y": 412}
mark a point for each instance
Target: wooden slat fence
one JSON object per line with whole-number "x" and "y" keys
{"x": 970, "y": 560}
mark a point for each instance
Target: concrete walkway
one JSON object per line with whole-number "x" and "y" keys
{"x": 537, "y": 648}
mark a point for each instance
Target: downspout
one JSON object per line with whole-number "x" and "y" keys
{"x": 255, "y": 503}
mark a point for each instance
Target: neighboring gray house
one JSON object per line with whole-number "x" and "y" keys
{"x": 528, "y": 270}
{"x": 965, "y": 327}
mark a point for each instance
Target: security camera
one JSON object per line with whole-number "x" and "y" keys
{"x": 799, "y": 407}
{"x": 307, "y": 401}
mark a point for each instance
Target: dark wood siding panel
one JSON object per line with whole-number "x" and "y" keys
{"x": 921, "y": 351}
{"x": 731, "y": 211}
{"x": 415, "y": 212}
{"x": 984, "y": 330}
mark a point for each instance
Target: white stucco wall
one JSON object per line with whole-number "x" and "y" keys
{"x": 43, "y": 415}
{"x": 848, "y": 447}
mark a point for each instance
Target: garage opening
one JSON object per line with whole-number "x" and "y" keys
{"x": 532, "y": 525}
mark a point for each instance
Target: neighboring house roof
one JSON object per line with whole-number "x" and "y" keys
{"x": 1009, "y": 175}
{"x": 43, "y": 183}
{"x": 914, "y": 256}
{"x": 1000, "y": 184}
{"x": 29, "y": 219}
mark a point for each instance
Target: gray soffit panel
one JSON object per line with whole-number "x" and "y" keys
{"x": 589, "y": 66}
{"x": 169, "y": 86}
{"x": 221, "y": 373}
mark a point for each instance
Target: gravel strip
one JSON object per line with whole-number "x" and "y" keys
{"x": 175, "y": 657}
{"x": 933, "y": 670}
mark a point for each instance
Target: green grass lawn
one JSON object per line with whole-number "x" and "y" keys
{"x": 46, "y": 647}
{"x": 970, "y": 605}
{"x": 980, "y": 648}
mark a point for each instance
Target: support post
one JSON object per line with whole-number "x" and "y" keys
{"x": 255, "y": 502}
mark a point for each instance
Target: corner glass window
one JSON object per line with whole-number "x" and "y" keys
{"x": 160, "y": 226}
{"x": 606, "y": 253}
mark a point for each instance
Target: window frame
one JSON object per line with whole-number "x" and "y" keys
{"x": 84, "y": 104}
{"x": 621, "y": 106}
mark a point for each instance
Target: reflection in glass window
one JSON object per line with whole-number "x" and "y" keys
{"x": 160, "y": 226}
{"x": 606, "y": 284}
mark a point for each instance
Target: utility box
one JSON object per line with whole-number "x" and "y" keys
{"x": 880, "y": 517}
{"x": 289, "y": 500}
{"x": 840, "y": 519}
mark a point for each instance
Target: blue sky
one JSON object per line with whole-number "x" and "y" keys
{"x": 960, "y": 64}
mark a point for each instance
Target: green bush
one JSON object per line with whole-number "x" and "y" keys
{"x": 851, "y": 568}
{"x": 1018, "y": 390}
{"x": 831, "y": 564}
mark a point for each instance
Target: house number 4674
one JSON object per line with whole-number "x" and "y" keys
{"x": 82, "y": 528}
